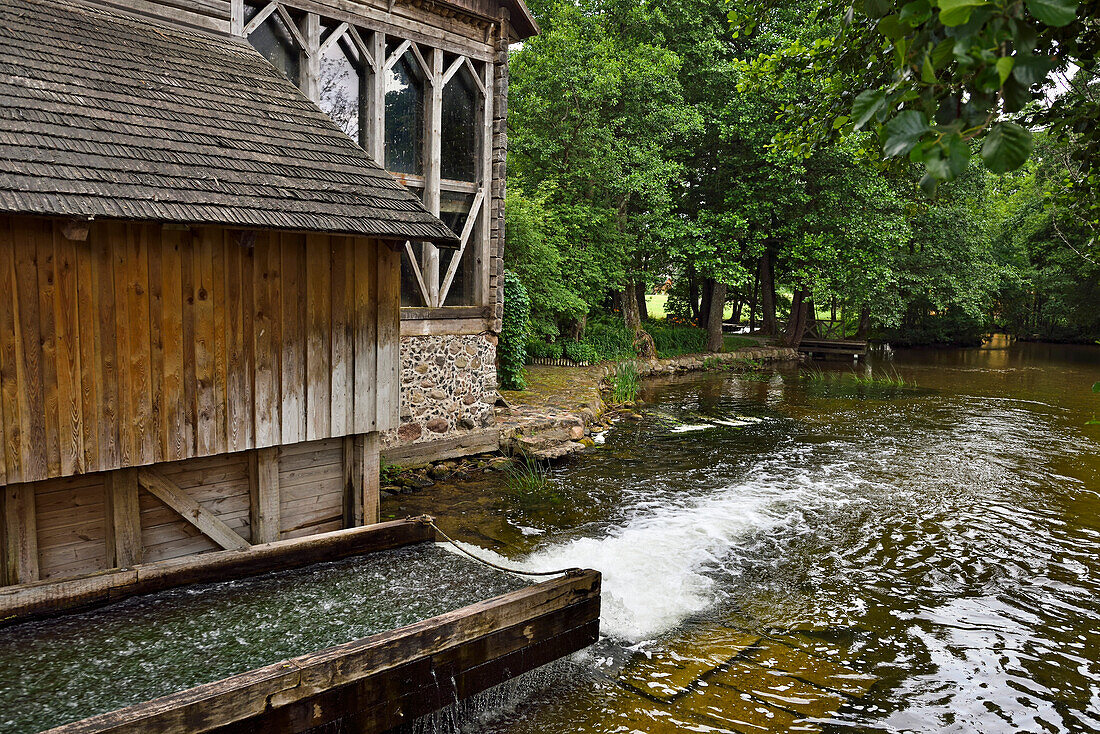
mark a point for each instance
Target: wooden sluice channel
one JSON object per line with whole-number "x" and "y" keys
{"x": 372, "y": 684}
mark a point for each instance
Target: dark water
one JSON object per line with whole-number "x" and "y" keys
{"x": 942, "y": 536}
{"x": 64, "y": 669}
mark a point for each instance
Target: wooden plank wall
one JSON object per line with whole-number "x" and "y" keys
{"x": 71, "y": 520}
{"x": 146, "y": 344}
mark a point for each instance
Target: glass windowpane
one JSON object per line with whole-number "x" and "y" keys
{"x": 405, "y": 117}
{"x": 461, "y": 108}
{"x": 340, "y": 85}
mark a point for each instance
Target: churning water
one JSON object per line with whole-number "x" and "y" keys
{"x": 60, "y": 670}
{"x": 943, "y": 536}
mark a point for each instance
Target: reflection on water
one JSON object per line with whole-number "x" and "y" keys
{"x": 944, "y": 539}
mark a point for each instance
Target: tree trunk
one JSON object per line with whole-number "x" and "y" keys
{"x": 714, "y": 320}
{"x": 864, "y": 323}
{"x": 752, "y": 302}
{"x": 639, "y": 291}
{"x": 643, "y": 342}
{"x": 768, "y": 324}
{"x": 704, "y": 303}
{"x": 629, "y": 303}
{"x": 693, "y": 295}
{"x": 796, "y": 323}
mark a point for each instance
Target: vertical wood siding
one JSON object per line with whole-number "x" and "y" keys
{"x": 144, "y": 345}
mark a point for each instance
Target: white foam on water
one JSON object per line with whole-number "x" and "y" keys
{"x": 688, "y": 428}
{"x": 655, "y": 567}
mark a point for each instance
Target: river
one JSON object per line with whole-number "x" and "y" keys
{"x": 934, "y": 544}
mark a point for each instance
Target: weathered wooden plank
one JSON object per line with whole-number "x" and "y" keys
{"x": 25, "y": 601}
{"x": 266, "y": 341}
{"x": 292, "y": 383}
{"x": 190, "y": 388}
{"x": 366, "y": 336}
{"x": 123, "y": 518}
{"x": 29, "y": 368}
{"x": 170, "y": 494}
{"x": 318, "y": 326}
{"x": 47, "y": 286}
{"x": 140, "y": 419}
{"x": 108, "y": 405}
{"x": 20, "y": 534}
{"x": 206, "y": 416}
{"x": 264, "y": 500}
{"x": 216, "y": 295}
{"x": 156, "y": 346}
{"x": 353, "y": 495}
{"x": 343, "y": 345}
{"x": 238, "y": 397}
{"x": 370, "y": 478}
{"x": 67, "y": 335}
{"x": 174, "y": 443}
{"x": 9, "y": 356}
{"x": 388, "y": 338}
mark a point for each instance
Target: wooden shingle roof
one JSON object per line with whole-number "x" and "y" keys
{"x": 103, "y": 115}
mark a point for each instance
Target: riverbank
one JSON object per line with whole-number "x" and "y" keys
{"x": 554, "y": 417}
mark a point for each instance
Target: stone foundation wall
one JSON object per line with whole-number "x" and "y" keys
{"x": 448, "y": 385}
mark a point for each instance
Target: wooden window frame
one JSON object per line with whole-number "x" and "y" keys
{"x": 369, "y": 33}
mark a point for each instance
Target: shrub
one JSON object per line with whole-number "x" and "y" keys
{"x": 673, "y": 340}
{"x": 515, "y": 326}
{"x": 541, "y": 349}
{"x": 581, "y": 352}
{"x": 610, "y": 339}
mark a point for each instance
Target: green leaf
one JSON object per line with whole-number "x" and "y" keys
{"x": 942, "y": 53}
{"x": 865, "y": 105}
{"x": 1006, "y": 147}
{"x": 1004, "y": 68}
{"x": 1096, "y": 387}
{"x": 1055, "y": 13}
{"x": 949, "y": 158}
{"x": 957, "y": 12}
{"x": 1031, "y": 70}
{"x": 892, "y": 28}
{"x": 840, "y": 122}
{"x": 903, "y": 132}
{"x": 915, "y": 13}
{"x": 877, "y": 8}
{"x": 927, "y": 71}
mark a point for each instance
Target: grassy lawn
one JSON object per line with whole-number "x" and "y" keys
{"x": 655, "y": 305}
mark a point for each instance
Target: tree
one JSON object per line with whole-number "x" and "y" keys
{"x": 929, "y": 76}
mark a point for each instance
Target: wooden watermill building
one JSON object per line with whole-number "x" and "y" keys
{"x": 237, "y": 240}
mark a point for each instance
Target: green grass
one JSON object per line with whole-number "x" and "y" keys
{"x": 886, "y": 378}
{"x": 528, "y": 482}
{"x": 624, "y": 383}
{"x": 730, "y": 343}
{"x": 655, "y": 306}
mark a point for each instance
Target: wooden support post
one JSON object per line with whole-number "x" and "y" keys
{"x": 377, "y": 99}
{"x": 311, "y": 58}
{"x": 207, "y": 522}
{"x": 433, "y": 122}
{"x": 20, "y": 534}
{"x": 361, "y": 480}
{"x": 263, "y": 485}
{"x": 123, "y": 513}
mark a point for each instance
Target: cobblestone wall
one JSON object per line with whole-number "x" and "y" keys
{"x": 448, "y": 385}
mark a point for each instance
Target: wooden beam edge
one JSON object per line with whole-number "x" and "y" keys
{"x": 299, "y": 678}
{"x": 45, "y": 598}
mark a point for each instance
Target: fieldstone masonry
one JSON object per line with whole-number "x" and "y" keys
{"x": 448, "y": 385}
